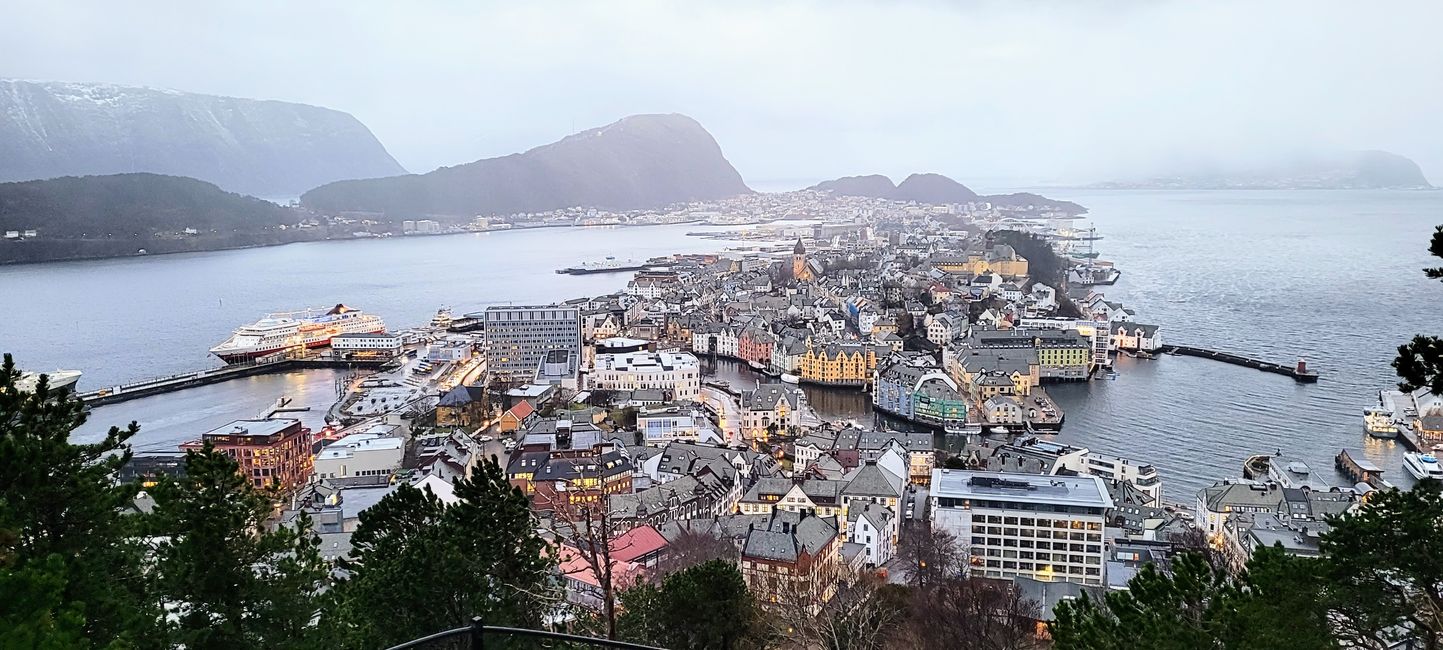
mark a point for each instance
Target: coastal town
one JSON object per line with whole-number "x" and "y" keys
{"x": 607, "y": 412}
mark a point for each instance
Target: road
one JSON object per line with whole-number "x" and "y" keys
{"x": 726, "y": 407}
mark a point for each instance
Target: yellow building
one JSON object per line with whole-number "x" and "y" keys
{"x": 843, "y": 364}
{"x": 1004, "y": 262}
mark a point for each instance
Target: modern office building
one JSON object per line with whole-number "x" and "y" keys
{"x": 1041, "y": 527}
{"x": 519, "y": 338}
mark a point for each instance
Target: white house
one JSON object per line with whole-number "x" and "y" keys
{"x": 870, "y": 525}
{"x": 1136, "y": 336}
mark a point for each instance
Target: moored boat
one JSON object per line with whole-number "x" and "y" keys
{"x": 1379, "y": 423}
{"x": 608, "y": 265}
{"x": 1422, "y": 465}
{"x": 297, "y": 330}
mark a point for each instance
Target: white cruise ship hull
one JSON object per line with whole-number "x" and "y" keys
{"x": 282, "y": 332}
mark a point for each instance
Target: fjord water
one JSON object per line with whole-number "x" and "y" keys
{"x": 1333, "y": 277}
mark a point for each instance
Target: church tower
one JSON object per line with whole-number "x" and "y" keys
{"x": 800, "y": 272}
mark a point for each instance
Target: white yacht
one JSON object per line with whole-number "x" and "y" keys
{"x": 1422, "y": 466}
{"x": 58, "y": 380}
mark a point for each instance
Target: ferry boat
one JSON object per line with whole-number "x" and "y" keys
{"x": 442, "y": 319}
{"x": 1379, "y": 423}
{"x": 608, "y": 265}
{"x": 311, "y": 328}
{"x": 1422, "y": 466}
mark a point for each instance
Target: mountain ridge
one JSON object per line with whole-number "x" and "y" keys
{"x": 934, "y": 188}
{"x": 51, "y": 129}
{"x": 640, "y": 161}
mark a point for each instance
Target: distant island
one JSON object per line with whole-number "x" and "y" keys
{"x": 937, "y": 189}
{"x": 1363, "y": 170}
{"x": 263, "y": 148}
{"x": 642, "y": 161}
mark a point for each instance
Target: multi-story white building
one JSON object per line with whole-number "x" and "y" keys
{"x": 371, "y": 453}
{"x": 678, "y": 373}
{"x": 381, "y": 342}
{"x": 1042, "y": 527}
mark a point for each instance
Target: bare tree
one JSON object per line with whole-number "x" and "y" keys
{"x": 976, "y": 613}
{"x": 694, "y": 547}
{"x": 584, "y": 526}
{"x": 929, "y": 554}
{"x": 863, "y": 616}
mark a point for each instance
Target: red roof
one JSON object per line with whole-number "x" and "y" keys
{"x": 573, "y": 565}
{"x": 522, "y": 410}
{"x": 637, "y": 542}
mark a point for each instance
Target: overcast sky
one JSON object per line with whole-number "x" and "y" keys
{"x": 994, "y": 93}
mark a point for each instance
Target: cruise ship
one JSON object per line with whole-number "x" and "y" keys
{"x": 312, "y": 328}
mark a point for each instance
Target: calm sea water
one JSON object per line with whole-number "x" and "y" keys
{"x": 1332, "y": 277}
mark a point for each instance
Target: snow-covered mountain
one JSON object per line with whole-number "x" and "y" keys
{"x": 265, "y": 148}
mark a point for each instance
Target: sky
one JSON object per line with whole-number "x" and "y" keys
{"x": 992, "y": 93}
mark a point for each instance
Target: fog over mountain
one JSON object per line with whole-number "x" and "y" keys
{"x": 265, "y": 148}
{"x": 997, "y": 93}
{"x": 642, "y": 161}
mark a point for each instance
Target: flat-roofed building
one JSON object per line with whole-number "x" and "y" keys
{"x": 275, "y": 451}
{"x": 360, "y": 454}
{"x": 363, "y": 344}
{"x": 1042, "y": 527}
{"x": 518, "y": 338}
{"x": 676, "y": 373}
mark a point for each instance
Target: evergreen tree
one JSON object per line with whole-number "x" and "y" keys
{"x": 68, "y": 559}
{"x": 1384, "y": 568}
{"x": 705, "y": 607}
{"x": 229, "y": 582}
{"x": 1274, "y": 605}
{"x": 420, "y": 566}
{"x": 1420, "y": 361}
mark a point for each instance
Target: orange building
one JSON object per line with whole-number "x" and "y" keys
{"x": 276, "y": 451}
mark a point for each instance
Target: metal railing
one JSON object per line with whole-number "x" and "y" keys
{"x": 473, "y": 637}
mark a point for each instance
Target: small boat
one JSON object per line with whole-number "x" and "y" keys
{"x": 791, "y": 379}
{"x": 1379, "y": 423}
{"x": 756, "y": 365}
{"x": 1422, "y": 466}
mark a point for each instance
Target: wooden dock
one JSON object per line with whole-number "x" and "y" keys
{"x": 1299, "y": 373}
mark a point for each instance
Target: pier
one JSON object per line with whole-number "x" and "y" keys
{"x": 1353, "y": 465}
{"x": 1299, "y": 373}
{"x": 161, "y": 385}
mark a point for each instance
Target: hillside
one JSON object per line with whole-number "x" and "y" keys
{"x": 264, "y": 148}
{"x": 936, "y": 189}
{"x": 933, "y": 188}
{"x": 106, "y": 216}
{"x": 873, "y": 185}
{"x": 642, "y": 161}
{"x": 1361, "y": 170}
